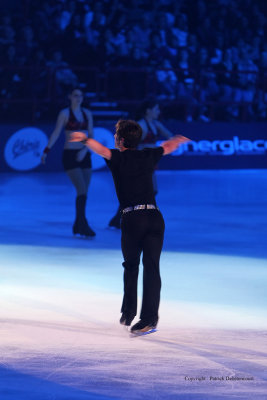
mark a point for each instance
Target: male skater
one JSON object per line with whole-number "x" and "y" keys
{"x": 142, "y": 224}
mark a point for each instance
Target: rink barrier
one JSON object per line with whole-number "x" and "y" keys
{"x": 212, "y": 146}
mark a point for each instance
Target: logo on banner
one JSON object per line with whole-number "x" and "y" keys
{"x": 24, "y": 148}
{"x": 222, "y": 147}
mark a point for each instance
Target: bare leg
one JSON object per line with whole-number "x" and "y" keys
{"x": 78, "y": 181}
{"x": 87, "y": 174}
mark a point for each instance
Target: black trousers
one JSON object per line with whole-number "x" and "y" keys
{"x": 142, "y": 231}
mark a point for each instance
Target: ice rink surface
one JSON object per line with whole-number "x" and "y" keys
{"x": 60, "y": 295}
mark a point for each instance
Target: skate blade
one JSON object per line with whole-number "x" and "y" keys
{"x": 82, "y": 237}
{"x": 136, "y": 334}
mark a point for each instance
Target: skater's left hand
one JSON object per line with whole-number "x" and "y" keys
{"x": 78, "y": 137}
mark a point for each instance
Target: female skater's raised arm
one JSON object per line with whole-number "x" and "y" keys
{"x": 163, "y": 130}
{"x": 90, "y": 123}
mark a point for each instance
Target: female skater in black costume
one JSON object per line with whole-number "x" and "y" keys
{"x": 76, "y": 157}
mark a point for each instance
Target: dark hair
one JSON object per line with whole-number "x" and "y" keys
{"x": 72, "y": 88}
{"x": 142, "y": 109}
{"x": 130, "y": 131}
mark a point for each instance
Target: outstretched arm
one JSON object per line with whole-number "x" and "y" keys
{"x": 162, "y": 130}
{"x": 90, "y": 123}
{"x": 55, "y": 134}
{"x": 92, "y": 144}
{"x": 170, "y": 145}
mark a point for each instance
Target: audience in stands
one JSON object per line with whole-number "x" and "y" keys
{"x": 198, "y": 51}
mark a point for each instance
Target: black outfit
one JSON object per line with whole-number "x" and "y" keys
{"x": 150, "y": 139}
{"x": 69, "y": 155}
{"x": 141, "y": 230}
{"x": 69, "y": 160}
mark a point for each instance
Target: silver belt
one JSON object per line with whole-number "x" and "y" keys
{"x": 139, "y": 207}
